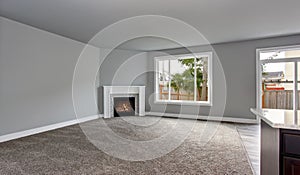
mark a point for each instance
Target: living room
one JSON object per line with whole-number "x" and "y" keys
{"x": 138, "y": 87}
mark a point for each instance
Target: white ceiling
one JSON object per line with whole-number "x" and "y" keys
{"x": 218, "y": 20}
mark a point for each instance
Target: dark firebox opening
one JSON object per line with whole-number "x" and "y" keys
{"x": 124, "y": 106}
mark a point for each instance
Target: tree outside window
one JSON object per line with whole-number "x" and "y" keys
{"x": 184, "y": 78}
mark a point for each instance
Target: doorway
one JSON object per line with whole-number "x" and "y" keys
{"x": 277, "y": 78}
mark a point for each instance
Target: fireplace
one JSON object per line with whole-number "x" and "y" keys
{"x": 124, "y": 100}
{"x": 124, "y": 106}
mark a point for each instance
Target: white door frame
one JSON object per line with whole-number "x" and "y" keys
{"x": 258, "y": 69}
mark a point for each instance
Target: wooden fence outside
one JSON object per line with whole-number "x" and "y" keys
{"x": 279, "y": 99}
{"x": 176, "y": 96}
{"x": 163, "y": 95}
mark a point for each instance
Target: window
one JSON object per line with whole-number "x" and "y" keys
{"x": 278, "y": 78}
{"x": 184, "y": 79}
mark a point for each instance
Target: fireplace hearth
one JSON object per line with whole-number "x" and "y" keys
{"x": 124, "y": 106}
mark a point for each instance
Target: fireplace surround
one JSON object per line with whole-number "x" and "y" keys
{"x": 111, "y": 94}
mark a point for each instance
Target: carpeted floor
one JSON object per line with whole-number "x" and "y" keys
{"x": 68, "y": 151}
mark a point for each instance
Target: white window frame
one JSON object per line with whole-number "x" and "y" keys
{"x": 281, "y": 60}
{"x": 183, "y": 102}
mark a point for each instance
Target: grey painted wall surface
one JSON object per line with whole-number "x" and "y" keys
{"x": 85, "y": 81}
{"x": 36, "y": 71}
{"x": 238, "y": 60}
{"x": 121, "y": 68}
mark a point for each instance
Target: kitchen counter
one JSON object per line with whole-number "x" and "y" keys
{"x": 280, "y": 141}
{"x": 278, "y": 118}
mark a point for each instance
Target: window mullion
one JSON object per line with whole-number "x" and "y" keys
{"x": 169, "y": 74}
{"x": 295, "y": 96}
{"x": 195, "y": 80}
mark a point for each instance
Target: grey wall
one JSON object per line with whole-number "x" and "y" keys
{"x": 85, "y": 82}
{"x": 121, "y": 68}
{"x": 238, "y": 60}
{"x": 36, "y": 71}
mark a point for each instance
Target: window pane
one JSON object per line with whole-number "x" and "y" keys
{"x": 182, "y": 79}
{"x": 277, "y": 84}
{"x": 292, "y": 53}
{"x": 279, "y": 54}
{"x": 202, "y": 78}
{"x": 272, "y": 55}
{"x": 163, "y": 80}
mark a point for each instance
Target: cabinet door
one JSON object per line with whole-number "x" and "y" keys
{"x": 291, "y": 166}
{"x": 291, "y": 143}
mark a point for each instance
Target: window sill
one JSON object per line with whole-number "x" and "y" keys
{"x": 178, "y": 102}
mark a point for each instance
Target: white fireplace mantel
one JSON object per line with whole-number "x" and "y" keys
{"x": 115, "y": 91}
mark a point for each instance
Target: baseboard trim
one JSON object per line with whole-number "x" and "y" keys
{"x": 33, "y": 131}
{"x": 208, "y": 118}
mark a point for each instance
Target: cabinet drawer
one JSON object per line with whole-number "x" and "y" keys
{"x": 291, "y": 166}
{"x": 291, "y": 144}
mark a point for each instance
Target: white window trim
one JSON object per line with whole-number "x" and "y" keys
{"x": 258, "y": 71}
{"x": 181, "y": 102}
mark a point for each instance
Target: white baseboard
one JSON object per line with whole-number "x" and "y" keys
{"x": 33, "y": 131}
{"x": 208, "y": 118}
{"x": 88, "y": 118}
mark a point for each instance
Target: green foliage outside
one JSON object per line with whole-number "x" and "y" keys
{"x": 185, "y": 80}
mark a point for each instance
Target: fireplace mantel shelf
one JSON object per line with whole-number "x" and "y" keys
{"x": 114, "y": 91}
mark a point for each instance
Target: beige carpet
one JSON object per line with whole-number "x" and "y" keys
{"x": 68, "y": 151}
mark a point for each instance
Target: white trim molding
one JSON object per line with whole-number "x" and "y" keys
{"x": 38, "y": 130}
{"x": 168, "y": 58}
{"x": 208, "y": 118}
{"x": 259, "y": 62}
